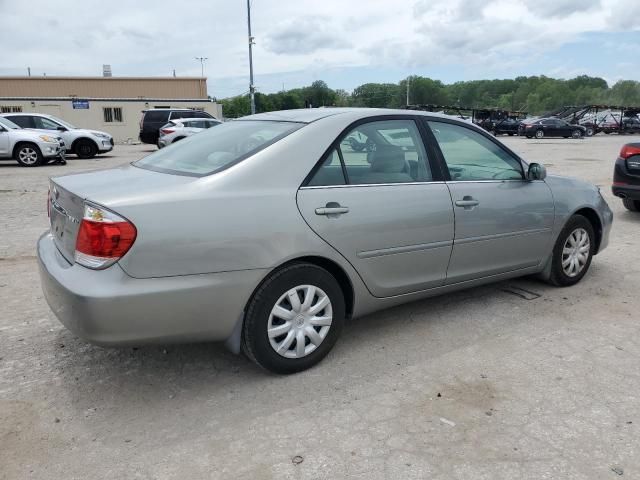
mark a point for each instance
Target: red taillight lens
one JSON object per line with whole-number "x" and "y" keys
{"x": 629, "y": 151}
{"x": 166, "y": 131}
{"x": 103, "y": 238}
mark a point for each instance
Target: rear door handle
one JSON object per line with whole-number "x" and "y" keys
{"x": 467, "y": 203}
{"x": 332, "y": 208}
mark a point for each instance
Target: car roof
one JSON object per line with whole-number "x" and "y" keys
{"x": 28, "y": 114}
{"x": 309, "y": 115}
{"x": 195, "y": 119}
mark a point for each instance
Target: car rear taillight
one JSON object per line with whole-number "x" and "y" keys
{"x": 103, "y": 238}
{"x": 166, "y": 131}
{"x": 629, "y": 151}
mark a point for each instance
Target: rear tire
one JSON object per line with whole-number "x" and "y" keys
{"x": 575, "y": 246}
{"x": 27, "y": 155}
{"x": 576, "y": 134}
{"x": 590, "y": 132}
{"x": 272, "y": 341}
{"x": 631, "y": 205}
{"x": 85, "y": 148}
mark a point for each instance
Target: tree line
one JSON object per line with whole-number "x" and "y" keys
{"x": 535, "y": 95}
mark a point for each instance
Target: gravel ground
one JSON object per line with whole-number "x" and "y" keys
{"x": 481, "y": 384}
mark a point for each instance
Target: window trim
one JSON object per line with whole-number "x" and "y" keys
{"x": 443, "y": 164}
{"x": 432, "y": 163}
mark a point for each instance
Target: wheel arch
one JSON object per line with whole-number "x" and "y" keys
{"x": 344, "y": 282}
{"x": 17, "y": 146}
{"x": 594, "y": 219}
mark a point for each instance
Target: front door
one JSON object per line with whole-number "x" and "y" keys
{"x": 502, "y": 221}
{"x": 375, "y": 200}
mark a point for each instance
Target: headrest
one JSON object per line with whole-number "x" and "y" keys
{"x": 388, "y": 159}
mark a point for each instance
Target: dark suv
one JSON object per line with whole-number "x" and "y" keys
{"x": 626, "y": 176}
{"x": 155, "y": 118}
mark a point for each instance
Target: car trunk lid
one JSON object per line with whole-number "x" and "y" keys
{"x": 108, "y": 188}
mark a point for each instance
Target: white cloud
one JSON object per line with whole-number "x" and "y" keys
{"x": 154, "y": 37}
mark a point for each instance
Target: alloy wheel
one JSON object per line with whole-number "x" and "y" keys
{"x": 575, "y": 253}
{"x": 299, "y": 321}
{"x": 28, "y": 155}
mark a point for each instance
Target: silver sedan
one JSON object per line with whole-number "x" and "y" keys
{"x": 268, "y": 232}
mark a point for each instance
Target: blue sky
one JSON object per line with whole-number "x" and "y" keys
{"x": 343, "y": 43}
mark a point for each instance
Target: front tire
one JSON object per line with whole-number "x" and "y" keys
{"x": 631, "y": 205}
{"x": 576, "y": 134}
{"x": 84, "y": 148}
{"x": 573, "y": 252}
{"x": 539, "y": 134}
{"x": 27, "y": 155}
{"x": 294, "y": 319}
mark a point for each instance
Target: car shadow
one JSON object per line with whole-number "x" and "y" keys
{"x": 414, "y": 333}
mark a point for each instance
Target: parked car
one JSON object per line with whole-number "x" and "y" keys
{"x": 551, "y": 127}
{"x": 179, "y": 129}
{"x": 27, "y": 147}
{"x": 152, "y": 120}
{"x": 630, "y": 125}
{"x": 269, "y": 231}
{"x": 82, "y": 142}
{"x": 505, "y": 126}
{"x": 626, "y": 176}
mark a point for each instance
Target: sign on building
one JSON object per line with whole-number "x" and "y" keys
{"x": 80, "y": 104}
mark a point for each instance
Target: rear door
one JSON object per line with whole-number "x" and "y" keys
{"x": 380, "y": 204}
{"x": 502, "y": 221}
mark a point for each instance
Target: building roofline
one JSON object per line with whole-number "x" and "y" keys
{"x": 104, "y": 99}
{"x": 52, "y": 77}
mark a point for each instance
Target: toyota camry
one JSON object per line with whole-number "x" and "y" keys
{"x": 270, "y": 231}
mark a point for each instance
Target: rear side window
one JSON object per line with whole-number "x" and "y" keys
{"x": 199, "y": 114}
{"x": 25, "y": 121}
{"x": 182, "y": 114}
{"x": 217, "y": 148}
{"x": 156, "y": 116}
{"x": 378, "y": 152}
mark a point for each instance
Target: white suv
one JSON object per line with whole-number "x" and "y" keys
{"x": 28, "y": 148}
{"x": 84, "y": 143}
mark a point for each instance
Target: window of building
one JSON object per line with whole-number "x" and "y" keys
{"x": 112, "y": 114}
{"x": 10, "y": 109}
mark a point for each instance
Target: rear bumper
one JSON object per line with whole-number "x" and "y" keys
{"x": 631, "y": 192}
{"x": 108, "y": 307}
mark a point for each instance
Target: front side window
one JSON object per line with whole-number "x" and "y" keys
{"x": 470, "y": 156}
{"x": 45, "y": 124}
{"x": 389, "y": 151}
{"x": 217, "y": 148}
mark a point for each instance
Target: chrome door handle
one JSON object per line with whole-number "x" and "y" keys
{"x": 332, "y": 208}
{"x": 467, "y": 202}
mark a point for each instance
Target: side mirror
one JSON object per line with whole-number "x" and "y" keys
{"x": 61, "y": 128}
{"x": 536, "y": 172}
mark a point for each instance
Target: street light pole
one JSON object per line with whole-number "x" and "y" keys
{"x": 252, "y": 88}
{"x": 202, "y": 60}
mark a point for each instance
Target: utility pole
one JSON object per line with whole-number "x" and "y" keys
{"x": 202, "y": 60}
{"x": 408, "y": 84}
{"x": 252, "y": 88}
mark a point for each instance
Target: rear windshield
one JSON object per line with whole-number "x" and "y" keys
{"x": 217, "y": 148}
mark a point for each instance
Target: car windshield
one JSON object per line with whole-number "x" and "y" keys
{"x": 217, "y": 148}
{"x": 62, "y": 122}
{"x": 5, "y": 122}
